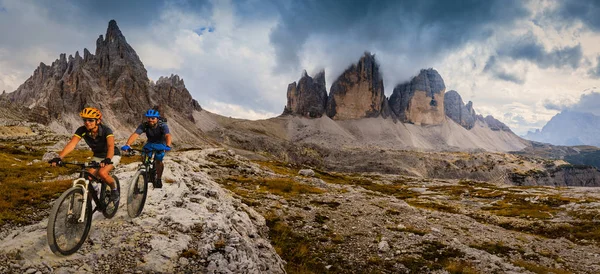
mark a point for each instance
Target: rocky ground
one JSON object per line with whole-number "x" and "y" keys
{"x": 348, "y": 223}
{"x": 220, "y": 212}
{"x": 190, "y": 226}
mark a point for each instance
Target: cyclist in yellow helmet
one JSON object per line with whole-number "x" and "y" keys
{"x": 102, "y": 142}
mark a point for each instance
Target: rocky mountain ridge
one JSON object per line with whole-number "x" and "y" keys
{"x": 113, "y": 79}
{"x": 570, "y": 128}
{"x": 359, "y": 93}
{"x": 466, "y": 116}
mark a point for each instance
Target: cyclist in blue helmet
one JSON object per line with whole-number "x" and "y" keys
{"x": 159, "y": 139}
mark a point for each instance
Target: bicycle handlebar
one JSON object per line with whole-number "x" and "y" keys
{"x": 132, "y": 150}
{"x": 92, "y": 164}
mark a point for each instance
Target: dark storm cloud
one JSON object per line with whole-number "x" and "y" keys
{"x": 595, "y": 72}
{"x": 554, "y": 105}
{"x": 421, "y": 28}
{"x": 585, "y": 11}
{"x": 131, "y": 13}
{"x": 492, "y": 67}
{"x": 528, "y": 48}
{"x": 589, "y": 103}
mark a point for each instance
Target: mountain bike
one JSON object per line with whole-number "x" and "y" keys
{"x": 71, "y": 217}
{"x": 138, "y": 188}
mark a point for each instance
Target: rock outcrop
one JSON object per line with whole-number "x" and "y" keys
{"x": 493, "y": 123}
{"x": 172, "y": 91}
{"x": 564, "y": 175}
{"x": 308, "y": 98}
{"x": 457, "y": 111}
{"x": 113, "y": 79}
{"x": 421, "y": 100}
{"x": 466, "y": 116}
{"x": 358, "y": 92}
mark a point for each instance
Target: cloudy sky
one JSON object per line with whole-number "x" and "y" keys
{"x": 520, "y": 61}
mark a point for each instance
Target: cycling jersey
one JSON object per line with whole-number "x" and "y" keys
{"x": 156, "y": 135}
{"x": 98, "y": 144}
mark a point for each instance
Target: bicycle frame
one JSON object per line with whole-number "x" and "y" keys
{"x": 83, "y": 183}
{"x": 147, "y": 164}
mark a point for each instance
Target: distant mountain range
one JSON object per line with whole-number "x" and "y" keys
{"x": 569, "y": 128}
{"x": 419, "y": 114}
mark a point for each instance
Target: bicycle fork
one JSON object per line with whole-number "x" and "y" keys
{"x": 83, "y": 184}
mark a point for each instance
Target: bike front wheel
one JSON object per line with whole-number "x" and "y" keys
{"x": 111, "y": 206}
{"x": 136, "y": 196}
{"x": 65, "y": 233}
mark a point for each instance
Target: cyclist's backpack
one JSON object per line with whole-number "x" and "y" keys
{"x": 161, "y": 121}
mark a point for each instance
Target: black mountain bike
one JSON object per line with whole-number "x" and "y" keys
{"x": 71, "y": 217}
{"x": 138, "y": 188}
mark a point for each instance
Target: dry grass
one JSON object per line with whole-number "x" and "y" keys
{"x": 536, "y": 268}
{"x": 26, "y": 187}
{"x": 528, "y": 206}
{"x": 284, "y": 187}
{"x": 292, "y": 247}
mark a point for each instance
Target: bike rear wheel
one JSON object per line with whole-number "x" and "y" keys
{"x": 64, "y": 232}
{"x": 111, "y": 206}
{"x": 136, "y": 196}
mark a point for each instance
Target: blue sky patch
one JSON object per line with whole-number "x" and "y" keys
{"x": 201, "y": 30}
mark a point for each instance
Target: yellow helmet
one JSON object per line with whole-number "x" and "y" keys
{"x": 91, "y": 113}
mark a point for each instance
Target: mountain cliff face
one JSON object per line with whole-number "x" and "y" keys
{"x": 465, "y": 115}
{"x": 457, "y": 111}
{"x": 569, "y": 128}
{"x": 308, "y": 98}
{"x": 113, "y": 79}
{"x": 421, "y": 100}
{"x": 358, "y": 92}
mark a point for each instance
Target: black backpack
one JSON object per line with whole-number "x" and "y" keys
{"x": 161, "y": 121}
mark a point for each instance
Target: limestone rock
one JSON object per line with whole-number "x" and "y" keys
{"x": 457, "y": 111}
{"x": 172, "y": 90}
{"x": 308, "y": 98}
{"x": 113, "y": 79}
{"x": 358, "y": 92}
{"x": 420, "y": 101}
{"x": 493, "y": 123}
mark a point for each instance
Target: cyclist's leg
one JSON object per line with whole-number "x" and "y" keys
{"x": 103, "y": 173}
{"x": 94, "y": 171}
{"x": 158, "y": 158}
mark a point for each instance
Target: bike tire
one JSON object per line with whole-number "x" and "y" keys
{"x": 137, "y": 193}
{"x": 64, "y": 233}
{"x": 111, "y": 207}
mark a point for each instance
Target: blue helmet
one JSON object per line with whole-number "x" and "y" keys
{"x": 152, "y": 113}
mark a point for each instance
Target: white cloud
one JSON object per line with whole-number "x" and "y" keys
{"x": 231, "y": 68}
{"x": 237, "y": 111}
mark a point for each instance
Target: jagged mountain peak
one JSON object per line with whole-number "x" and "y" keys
{"x": 420, "y": 100}
{"x": 308, "y": 98}
{"x": 358, "y": 92}
{"x": 113, "y": 80}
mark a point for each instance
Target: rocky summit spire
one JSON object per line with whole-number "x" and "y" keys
{"x": 421, "y": 100}
{"x": 308, "y": 98}
{"x": 114, "y": 80}
{"x": 457, "y": 111}
{"x": 358, "y": 92}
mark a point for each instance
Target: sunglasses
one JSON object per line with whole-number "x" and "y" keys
{"x": 151, "y": 118}
{"x": 89, "y": 120}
